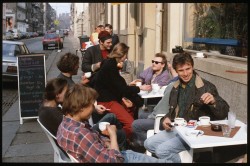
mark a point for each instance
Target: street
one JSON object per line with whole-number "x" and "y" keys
{"x": 10, "y": 89}
{"x": 27, "y": 142}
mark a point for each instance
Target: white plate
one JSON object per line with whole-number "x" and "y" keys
{"x": 194, "y": 132}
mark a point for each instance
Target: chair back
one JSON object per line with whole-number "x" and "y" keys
{"x": 59, "y": 156}
{"x": 73, "y": 159}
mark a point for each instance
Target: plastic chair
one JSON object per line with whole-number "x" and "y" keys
{"x": 59, "y": 156}
{"x": 73, "y": 159}
{"x": 155, "y": 130}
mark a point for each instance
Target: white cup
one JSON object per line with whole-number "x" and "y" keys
{"x": 155, "y": 88}
{"x": 138, "y": 83}
{"x": 87, "y": 74}
{"x": 204, "y": 120}
{"x": 199, "y": 54}
{"x": 103, "y": 125}
{"x": 180, "y": 121}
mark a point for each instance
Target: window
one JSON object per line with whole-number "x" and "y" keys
{"x": 220, "y": 28}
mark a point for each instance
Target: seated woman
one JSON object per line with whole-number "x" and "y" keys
{"x": 51, "y": 115}
{"x": 112, "y": 87}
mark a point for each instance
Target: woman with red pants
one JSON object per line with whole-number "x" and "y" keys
{"x": 113, "y": 89}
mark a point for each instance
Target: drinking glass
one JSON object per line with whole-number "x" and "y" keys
{"x": 231, "y": 119}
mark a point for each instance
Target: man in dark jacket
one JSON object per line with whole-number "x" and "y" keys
{"x": 115, "y": 38}
{"x": 94, "y": 55}
{"x": 190, "y": 98}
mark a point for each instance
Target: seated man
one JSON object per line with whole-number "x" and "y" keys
{"x": 190, "y": 98}
{"x": 76, "y": 137}
{"x": 157, "y": 73}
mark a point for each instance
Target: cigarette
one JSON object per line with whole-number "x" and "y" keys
{"x": 108, "y": 109}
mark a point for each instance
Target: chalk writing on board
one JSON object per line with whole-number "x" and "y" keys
{"x": 31, "y": 73}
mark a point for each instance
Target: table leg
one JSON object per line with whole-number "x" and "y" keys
{"x": 191, "y": 152}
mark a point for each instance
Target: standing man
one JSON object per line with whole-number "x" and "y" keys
{"x": 190, "y": 98}
{"x": 115, "y": 38}
{"x": 94, "y": 55}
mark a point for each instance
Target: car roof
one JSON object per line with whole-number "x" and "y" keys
{"x": 13, "y": 42}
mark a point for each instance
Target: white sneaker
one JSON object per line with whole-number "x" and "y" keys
{"x": 185, "y": 157}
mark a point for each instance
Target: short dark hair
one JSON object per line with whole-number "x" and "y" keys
{"x": 68, "y": 62}
{"x": 78, "y": 97}
{"x": 181, "y": 59}
{"x": 109, "y": 26}
{"x": 54, "y": 87}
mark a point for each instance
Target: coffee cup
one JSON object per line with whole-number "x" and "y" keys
{"x": 103, "y": 125}
{"x": 138, "y": 84}
{"x": 155, "y": 88}
{"x": 87, "y": 74}
{"x": 180, "y": 121}
{"x": 204, "y": 120}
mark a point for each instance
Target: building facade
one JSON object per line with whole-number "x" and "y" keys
{"x": 149, "y": 28}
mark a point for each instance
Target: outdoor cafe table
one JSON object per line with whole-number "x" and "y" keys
{"x": 146, "y": 95}
{"x": 205, "y": 141}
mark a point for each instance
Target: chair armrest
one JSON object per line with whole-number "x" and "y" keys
{"x": 157, "y": 122}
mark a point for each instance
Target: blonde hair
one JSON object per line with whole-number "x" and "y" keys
{"x": 120, "y": 50}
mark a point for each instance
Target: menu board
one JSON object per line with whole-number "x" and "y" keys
{"x": 31, "y": 84}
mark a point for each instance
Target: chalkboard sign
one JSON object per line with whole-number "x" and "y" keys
{"x": 31, "y": 84}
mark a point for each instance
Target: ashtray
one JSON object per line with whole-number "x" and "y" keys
{"x": 216, "y": 127}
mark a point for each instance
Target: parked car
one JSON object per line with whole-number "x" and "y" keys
{"x": 10, "y": 51}
{"x": 52, "y": 40}
{"x": 25, "y": 35}
{"x": 65, "y": 32}
{"x": 31, "y": 34}
{"x": 35, "y": 34}
{"x": 61, "y": 34}
{"x": 17, "y": 34}
{"x": 8, "y": 36}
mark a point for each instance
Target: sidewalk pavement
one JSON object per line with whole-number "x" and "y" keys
{"x": 27, "y": 142}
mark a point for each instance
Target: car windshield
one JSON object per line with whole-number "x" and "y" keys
{"x": 8, "y": 49}
{"x": 50, "y": 36}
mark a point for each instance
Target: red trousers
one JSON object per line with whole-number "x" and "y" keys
{"x": 123, "y": 114}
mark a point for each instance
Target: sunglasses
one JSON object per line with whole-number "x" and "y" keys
{"x": 156, "y": 62}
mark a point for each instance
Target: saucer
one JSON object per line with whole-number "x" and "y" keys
{"x": 194, "y": 132}
{"x": 208, "y": 125}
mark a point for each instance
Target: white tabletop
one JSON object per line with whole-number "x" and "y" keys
{"x": 205, "y": 141}
{"x": 151, "y": 94}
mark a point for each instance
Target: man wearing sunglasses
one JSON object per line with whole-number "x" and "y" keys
{"x": 156, "y": 73}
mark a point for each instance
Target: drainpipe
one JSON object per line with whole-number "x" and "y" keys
{"x": 158, "y": 28}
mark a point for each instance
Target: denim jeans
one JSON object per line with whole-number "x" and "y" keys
{"x": 134, "y": 157}
{"x": 140, "y": 128}
{"x": 121, "y": 135}
{"x": 166, "y": 145}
